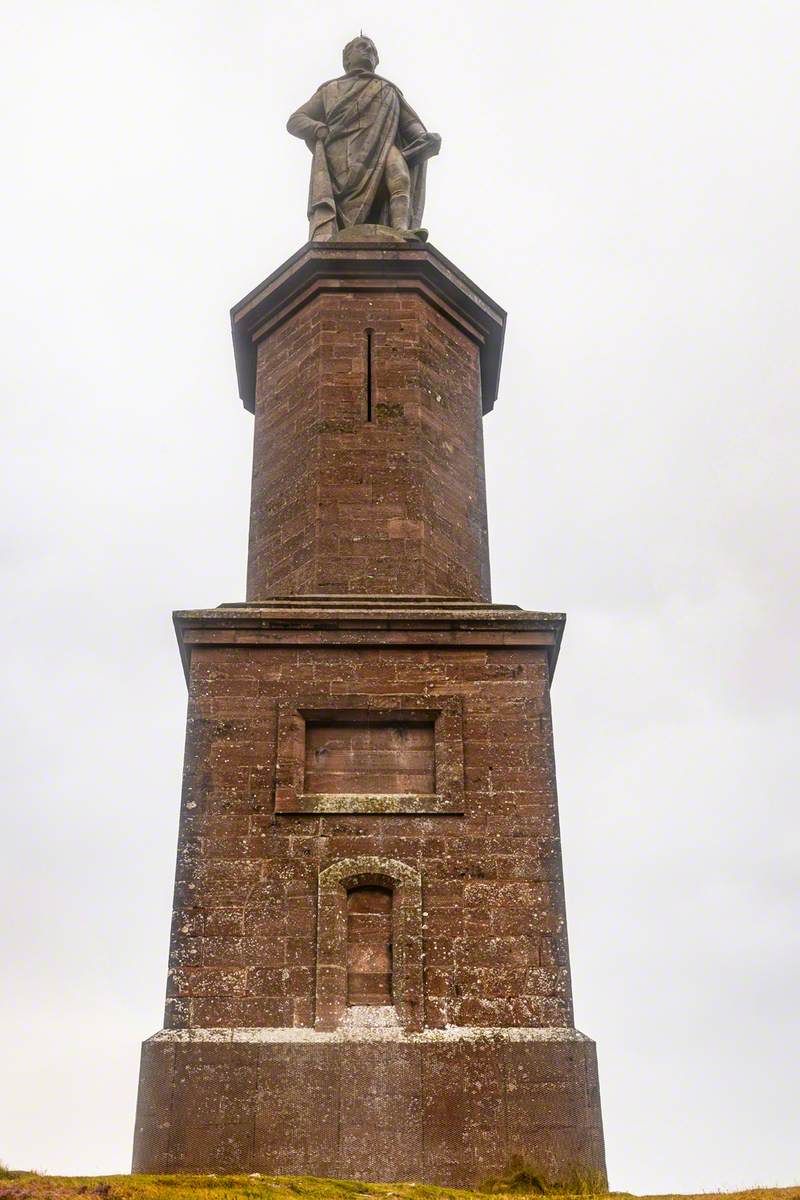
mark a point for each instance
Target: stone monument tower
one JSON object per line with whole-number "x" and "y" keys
{"x": 369, "y": 974}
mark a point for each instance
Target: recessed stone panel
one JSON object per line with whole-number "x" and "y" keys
{"x": 352, "y": 753}
{"x": 370, "y": 754}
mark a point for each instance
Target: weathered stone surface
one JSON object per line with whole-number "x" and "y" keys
{"x": 496, "y": 864}
{"x": 368, "y": 453}
{"x": 363, "y": 267}
{"x": 361, "y": 118}
{"x": 377, "y": 233}
{"x": 369, "y": 972}
{"x": 447, "y": 1107}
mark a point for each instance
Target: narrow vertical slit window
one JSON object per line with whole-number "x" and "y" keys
{"x": 369, "y": 373}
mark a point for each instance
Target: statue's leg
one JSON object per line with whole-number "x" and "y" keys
{"x": 398, "y": 185}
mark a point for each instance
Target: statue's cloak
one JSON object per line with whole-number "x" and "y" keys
{"x": 365, "y": 116}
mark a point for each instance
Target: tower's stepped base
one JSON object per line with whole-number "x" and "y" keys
{"x": 447, "y": 1106}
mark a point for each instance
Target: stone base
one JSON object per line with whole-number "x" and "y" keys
{"x": 378, "y": 233}
{"x": 447, "y": 1107}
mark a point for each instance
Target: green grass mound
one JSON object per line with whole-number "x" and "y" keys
{"x": 519, "y": 1180}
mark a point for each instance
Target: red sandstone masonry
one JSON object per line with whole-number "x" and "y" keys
{"x": 244, "y": 944}
{"x": 369, "y": 820}
{"x": 392, "y": 505}
{"x": 452, "y": 1110}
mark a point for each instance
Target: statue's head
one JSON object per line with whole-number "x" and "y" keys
{"x": 360, "y": 55}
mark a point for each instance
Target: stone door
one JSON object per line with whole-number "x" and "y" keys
{"x": 369, "y": 945}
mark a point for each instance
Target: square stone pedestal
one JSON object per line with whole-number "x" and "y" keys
{"x": 449, "y": 1106}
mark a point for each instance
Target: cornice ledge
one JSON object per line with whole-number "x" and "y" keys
{"x": 376, "y": 620}
{"x": 386, "y": 265}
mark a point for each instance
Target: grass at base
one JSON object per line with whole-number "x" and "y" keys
{"x": 24, "y": 1185}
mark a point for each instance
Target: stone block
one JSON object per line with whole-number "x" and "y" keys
{"x": 444, "y": 1108}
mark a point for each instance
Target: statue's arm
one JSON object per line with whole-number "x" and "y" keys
{"x": 417, "y": 142}
{"x": 411, "y": 127}
{"x": 309, "y": 120}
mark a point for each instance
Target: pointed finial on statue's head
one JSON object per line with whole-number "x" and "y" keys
{"x": 360, "y": 55}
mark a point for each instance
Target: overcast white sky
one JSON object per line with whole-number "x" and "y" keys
{"x": 624, "y": 178}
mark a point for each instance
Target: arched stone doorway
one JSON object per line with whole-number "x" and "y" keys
{"x": 387, "y": 894}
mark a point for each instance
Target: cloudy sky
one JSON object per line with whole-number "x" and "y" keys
{"x": 623, "y": 177}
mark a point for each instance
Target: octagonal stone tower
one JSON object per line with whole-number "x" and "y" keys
{"x": 368, "y": 369}
{"x": 369, "y": 972}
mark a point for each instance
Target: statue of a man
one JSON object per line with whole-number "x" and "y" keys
{"x": 370, "y": 150}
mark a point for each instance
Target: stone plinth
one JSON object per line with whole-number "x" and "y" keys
{"x": 449, "y": 1107}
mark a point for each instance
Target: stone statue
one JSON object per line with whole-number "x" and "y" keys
{"x": 370, "y": 151}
